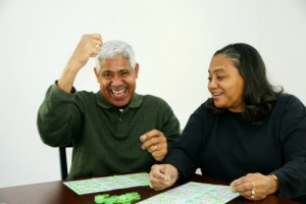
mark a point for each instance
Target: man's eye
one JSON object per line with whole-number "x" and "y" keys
{"x": 220, "y": 77}
{"x": 106, "y": 74}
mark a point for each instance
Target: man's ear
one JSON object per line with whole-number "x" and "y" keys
{"x": 136, "y": 69}
{"x": 96, "y": 73}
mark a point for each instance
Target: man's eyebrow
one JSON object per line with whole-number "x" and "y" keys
{"x": 106, "y": 71}
{"x": 120, "y": 70}
{"x": 124, "y": 69}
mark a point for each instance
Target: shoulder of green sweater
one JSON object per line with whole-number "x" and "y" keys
{"x": 54, "y": 89}
{"x": 157, "y": 100}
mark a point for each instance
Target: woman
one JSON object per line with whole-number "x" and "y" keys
{"x": 247, "y": 133}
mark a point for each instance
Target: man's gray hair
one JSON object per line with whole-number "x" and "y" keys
{"x": 113, "y": 49}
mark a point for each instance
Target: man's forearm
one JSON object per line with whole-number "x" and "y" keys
{"x": 67, "y": 78}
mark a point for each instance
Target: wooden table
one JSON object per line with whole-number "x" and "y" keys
{"x": 57, "y": 193}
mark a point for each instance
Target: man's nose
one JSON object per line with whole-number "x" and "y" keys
{"x": 117, "y": 81}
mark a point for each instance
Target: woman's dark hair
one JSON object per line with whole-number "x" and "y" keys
{"x": 259, "y": 95}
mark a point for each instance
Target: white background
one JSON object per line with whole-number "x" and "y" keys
{"x": 173, "y": 40}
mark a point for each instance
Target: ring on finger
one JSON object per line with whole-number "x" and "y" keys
{"x": 253, "y": 191}
{"x": 98, "y": 46}
{"x": 155, "y": 148}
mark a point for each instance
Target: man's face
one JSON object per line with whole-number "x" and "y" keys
{"x": 117, "y": 80}
{"x": 225, "y": 84}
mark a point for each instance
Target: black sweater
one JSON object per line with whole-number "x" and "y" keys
{"x": 226, "y": 146}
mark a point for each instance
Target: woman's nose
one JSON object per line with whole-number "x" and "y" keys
{"x": 212, "y": 84}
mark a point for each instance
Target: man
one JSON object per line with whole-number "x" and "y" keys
{"x": 114, "y": 130}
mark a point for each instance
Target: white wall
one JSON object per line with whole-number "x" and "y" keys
{"x": 173, "y": 40}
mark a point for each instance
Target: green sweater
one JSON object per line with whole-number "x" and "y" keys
{"x": 105, "y": 140}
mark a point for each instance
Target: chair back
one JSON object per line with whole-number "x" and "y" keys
{"x": 63, "y": 161}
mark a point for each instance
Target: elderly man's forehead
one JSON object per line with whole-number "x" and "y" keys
{"x": 116, "y": 70}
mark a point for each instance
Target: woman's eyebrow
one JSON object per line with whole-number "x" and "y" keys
{"x": 218, "y": 70}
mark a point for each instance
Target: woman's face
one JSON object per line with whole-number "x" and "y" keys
{"x": 225, "y": 84}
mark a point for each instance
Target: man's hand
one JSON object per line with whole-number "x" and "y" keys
{"x": 89, "y": 46}
{"x": 254, "y": 186}
{"x": 156, "y": 143}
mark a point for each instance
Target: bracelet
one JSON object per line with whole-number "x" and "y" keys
{"x": 274, "y": 177}
{"x": 277, "y": 183}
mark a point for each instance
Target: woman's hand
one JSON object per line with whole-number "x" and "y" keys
{"x": 163, "y": 176}
{"x": 255, "y": 186}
